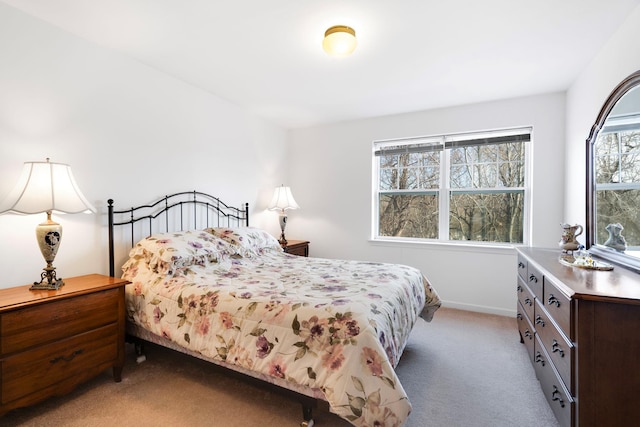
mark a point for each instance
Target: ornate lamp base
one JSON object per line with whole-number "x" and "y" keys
{"x": 283, "y": 225}
{"x": 48, "y": 280}
{"x": 49, "y": 234}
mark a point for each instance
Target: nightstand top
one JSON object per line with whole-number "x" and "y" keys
{"x": 292, "y": 242}
{"x": 21, "y": 295}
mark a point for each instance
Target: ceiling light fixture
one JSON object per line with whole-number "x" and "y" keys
{"x": 339, "y": 40}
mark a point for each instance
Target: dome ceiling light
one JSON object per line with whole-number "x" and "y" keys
{"x": 339, "y": 41}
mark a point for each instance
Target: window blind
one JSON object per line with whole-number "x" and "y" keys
{"x": 441, "y": 142}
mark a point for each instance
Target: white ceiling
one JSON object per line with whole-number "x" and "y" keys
{"x": 266, "y": 55}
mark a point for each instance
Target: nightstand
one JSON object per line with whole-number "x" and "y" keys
{"x": 297, "y": 247}
{"x": 53, "y": 340}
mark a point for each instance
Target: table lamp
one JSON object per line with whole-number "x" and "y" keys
{"x": 283, "y": 200}
{"x": 46, "y": 187}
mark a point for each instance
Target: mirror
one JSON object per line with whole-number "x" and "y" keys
{"x": 613, "y": 178}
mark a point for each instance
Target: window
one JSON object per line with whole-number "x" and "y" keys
{"x": 617, "y": 167}
{"x": 466, "y": 187}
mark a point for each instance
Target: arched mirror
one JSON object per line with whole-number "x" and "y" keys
{"x": 613, "y": 177}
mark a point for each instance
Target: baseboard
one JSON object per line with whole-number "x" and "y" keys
{"x": 480, "y": 308}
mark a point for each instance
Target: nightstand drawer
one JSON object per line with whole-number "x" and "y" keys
{"x": 36, "y": 325}
{"x": 297, "y": 247}
{"x": 44, "y": 366}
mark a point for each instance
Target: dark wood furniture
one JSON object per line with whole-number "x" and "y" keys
{"x": 51, "y": 341}
{"x": 297, "y": 247}
{"x": 581, "y": 330}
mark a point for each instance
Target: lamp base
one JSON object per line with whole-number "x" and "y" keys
{"x": 283, "y": 225}
{"x": 48, "y": 234}
{"x": 48, "y": 280}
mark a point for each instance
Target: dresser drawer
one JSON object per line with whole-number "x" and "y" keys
{"x": 539, "y": 357}
{"x": 522, "y": 267}
{"x": 526, "y": 330}
{"x": 554, "y": 390}
{"x": 534, "y": 280}
{"x": 51, "y": 321}
{"x": 526, "y": 298}
{"x": 560, "y": 351}
{"x": 558, "y": 305}
{"x": 44, "y": 366}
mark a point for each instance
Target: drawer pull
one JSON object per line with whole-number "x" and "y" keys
{"x": 519, "y": 316}
{"x": 68, "y": 358}
{"x": 539, "y": 321}
{"x": 555, "y": 348}
{"x": 520, "y": 264}
{"x": 553, "y": 301}
{"x": 556, "y": 396}
{"x": 540, "y": 359}
{"x": 520, "y": 288}
{"x": 533, "y": 278}
{"x": 528, "y": 334}
{"x": 528, "y": 302}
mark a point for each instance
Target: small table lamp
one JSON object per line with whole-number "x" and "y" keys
{"x": 283, "y": 200}
{"x": 46, "y": 187}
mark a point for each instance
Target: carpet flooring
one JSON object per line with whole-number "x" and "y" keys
{"x": 463, "y": 369}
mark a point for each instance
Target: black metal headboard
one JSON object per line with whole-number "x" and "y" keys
{"x": 189, "y": 210}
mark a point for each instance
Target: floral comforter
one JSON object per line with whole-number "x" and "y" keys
{"x": 339, "y": 326}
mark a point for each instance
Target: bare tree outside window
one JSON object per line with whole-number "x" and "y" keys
{"x": 407, "y": 207}
{"x": 617, "y": 165}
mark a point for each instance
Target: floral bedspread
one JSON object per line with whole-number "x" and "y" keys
{"x": 339, "y": 326}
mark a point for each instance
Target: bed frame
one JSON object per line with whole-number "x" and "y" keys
{"x": 191, "y": 210}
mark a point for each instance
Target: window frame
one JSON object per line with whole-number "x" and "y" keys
{"x": 445, "y": 190}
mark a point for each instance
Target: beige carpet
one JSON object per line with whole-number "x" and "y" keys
{"x": 462, "y": 369}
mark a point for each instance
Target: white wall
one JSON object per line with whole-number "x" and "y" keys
{"x": 129, "y": 133}
{"x": 132, "y": 133}
{"x": 616, "y": 60}
{"x": 330, "y": 171}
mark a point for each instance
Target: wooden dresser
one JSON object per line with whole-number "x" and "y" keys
{"x": 581, "y": 329}
{"x": 51, "y": 341}
{"x": 297, "y": 247}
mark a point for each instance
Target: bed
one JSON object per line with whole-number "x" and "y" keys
{"x": 206, "y": 283}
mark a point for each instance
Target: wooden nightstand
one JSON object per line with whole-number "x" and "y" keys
{"x": 51, "y": 341}
{"x": 297, "y": 247}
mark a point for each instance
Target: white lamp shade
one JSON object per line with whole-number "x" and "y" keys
{"x": 44, "y": 187}
{"x": 283, "y": 199}
{"x": 339, "y": 41}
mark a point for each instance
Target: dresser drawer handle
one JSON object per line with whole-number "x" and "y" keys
{"x": 520, "y": 264}
{"x": 533, "y": 278}
{"x": 519, "y": 316}
{"x": 539, "y": 321}
{"x": 68, "y": 358}
{"x": 553, "y": 301}
{"x": 520, "y": 288}
{"x": 528, "y": 334}
{"x": 556, "y": 396}
{"x": 555, "y": 348}
{"x": 539, "y": 358}
{"x": 528, "y": 302}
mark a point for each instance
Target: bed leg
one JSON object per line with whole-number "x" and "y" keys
{"x": 307, "y": 415}
{"x": 140, "y": 356}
